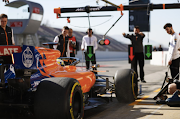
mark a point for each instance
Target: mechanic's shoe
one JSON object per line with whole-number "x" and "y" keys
{"x": 174, "y": 101}
{"x": 143, "y": 81}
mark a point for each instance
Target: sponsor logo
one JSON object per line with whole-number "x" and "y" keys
{"x": 36, "y": 83}
{"x": 79, "y": 9}
{"x": 8, "y": 51}
{"x": 96, "y": 9}
{"x": 36, "y": 10}
{"x": 33, "y": 76}
{"x": 91, "y": 9}
{"x": 27, "y": 73}
{"x": 12, "y": 69}
{"x": 16, "y": 24}
{"x": 27, "y": 57}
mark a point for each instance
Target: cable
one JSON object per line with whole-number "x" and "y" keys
{"x": 112, "y": 26}
{"x": 94, "y": 25}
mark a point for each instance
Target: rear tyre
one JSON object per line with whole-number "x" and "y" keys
{"x": 126, "y": 87}
{"x": 59, "y": 98}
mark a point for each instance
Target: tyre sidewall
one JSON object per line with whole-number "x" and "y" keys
{"x": 74, "y": 88}
{"x": 124, "y": 88}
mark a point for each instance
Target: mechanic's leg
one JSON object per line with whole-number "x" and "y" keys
{"x": 87, "y": 64}
{"x": 134, "y": 65}
{"x": 175, "y": 68}
{"x": 94, "y": 62}
{"x": 141, "y": 66}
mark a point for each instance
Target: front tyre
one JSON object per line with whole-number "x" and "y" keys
{"x": 126, "y": 87}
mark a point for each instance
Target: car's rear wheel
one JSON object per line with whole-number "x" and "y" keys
{"x": 126, "y": 87}
{"x": 59, "y": 98}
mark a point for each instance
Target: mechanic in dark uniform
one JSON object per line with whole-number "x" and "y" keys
{"x": 6, "y": 38}
{"x": 136, "y": 40}
{"x": 6, "y": 33}
{"x": 63, "y": 42}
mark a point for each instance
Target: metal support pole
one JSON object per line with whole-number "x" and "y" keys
{"x": 2, "y": 72}
{"x": 89, "y": 21}
{"x": 112, "y": 26}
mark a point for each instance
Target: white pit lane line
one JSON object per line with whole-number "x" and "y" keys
{"x": 154, "y": 112}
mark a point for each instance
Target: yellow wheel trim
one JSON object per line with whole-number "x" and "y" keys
{"x": 133, "y": 86}
{"x": 72, "y": 91}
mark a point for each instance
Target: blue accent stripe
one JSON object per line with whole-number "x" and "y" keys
{"x": 44, "y": 56}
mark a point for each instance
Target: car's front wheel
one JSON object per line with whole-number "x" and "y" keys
{"x": 126, "y": 86}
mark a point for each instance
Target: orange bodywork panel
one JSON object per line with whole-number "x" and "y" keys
{"x": 50, "y": 68}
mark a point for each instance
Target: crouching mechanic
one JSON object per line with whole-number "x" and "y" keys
{"x": 174, "y": 87}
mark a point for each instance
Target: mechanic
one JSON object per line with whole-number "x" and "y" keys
{"x": 89, "y": 40}
{"x": 173, "y": 54}
{"x": 72, "y": 43}
{"x": 63, "y": 42}
{"x": 6, "y": 37}
{"x": 136, "y": 40}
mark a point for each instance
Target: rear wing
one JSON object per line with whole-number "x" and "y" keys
{"x": 22, "y": 61}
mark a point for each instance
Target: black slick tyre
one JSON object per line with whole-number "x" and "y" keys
{"x": 126, "y": 87}
{"x": 59, "y": 98}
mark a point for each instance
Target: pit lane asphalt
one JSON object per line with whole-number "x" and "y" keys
{"x": 143, "y": 108}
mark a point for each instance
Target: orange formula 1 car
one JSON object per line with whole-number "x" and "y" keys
{"x": 37, "y": 81}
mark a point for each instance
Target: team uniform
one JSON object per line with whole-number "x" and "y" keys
{"x": 178, "y": 85}
{"x": 89, "y": 41}
{"x": 6, "y": 36}
{"x": 173, "y": 54}
{"x": 136, "y": 41}
{"x": 63, "y": 45}
{"x": 72, "y": 50}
